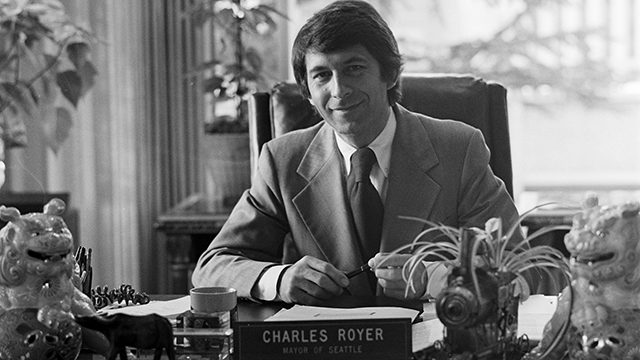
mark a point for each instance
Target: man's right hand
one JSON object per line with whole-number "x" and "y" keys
{"x": 310, "y": 281}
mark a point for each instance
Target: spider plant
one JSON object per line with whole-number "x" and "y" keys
{"x": 506, "y": 254}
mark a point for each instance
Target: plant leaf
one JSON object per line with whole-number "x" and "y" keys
{"x": 88, "y": 75}
{"x": 78, "y": 53}
{"x": 59, "y": 129}
{"x": 71, "y": 85}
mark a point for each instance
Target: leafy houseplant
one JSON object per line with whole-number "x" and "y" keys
{"x": 493, "y": 246}
{"x": 237, "y": 69}
{"x": 231, "y": 73}
{"x": 44, "y": 70}
{"x": 479, "y": 304}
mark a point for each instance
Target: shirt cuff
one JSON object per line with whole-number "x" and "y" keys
{"x": 436, "y": 279}
{"x": 266, "y": 287}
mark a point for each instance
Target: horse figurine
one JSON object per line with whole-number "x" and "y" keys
{"x": 142, "y": 332}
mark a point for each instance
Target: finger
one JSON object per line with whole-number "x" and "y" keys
{"x": 389, "y": 273}
{"x": 327, "y": 276}
{"x": 375, "y": 261}
{"x": 320, "y": 286}
{"x": 394, "y": 293}
{"x": 392, "y": 285}
{"x": 299, "y": 296}
{"x": 305, "y": 279}
{"x": 400, "y": 294}
{"x": 401, "y": 290}
{"x": 390, "y": 260}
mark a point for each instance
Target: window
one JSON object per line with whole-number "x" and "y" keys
{"x": 572, "y": 72}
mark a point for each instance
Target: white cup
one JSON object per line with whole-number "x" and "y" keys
{"x": 208, "y": 300}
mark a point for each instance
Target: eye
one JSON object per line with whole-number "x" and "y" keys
{"x": 355, "y": 69}
{"x": 321, "y": 76}
{"x": 602, "y": 233}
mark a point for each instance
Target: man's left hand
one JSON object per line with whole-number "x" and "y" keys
{"x": 389, "y": 268}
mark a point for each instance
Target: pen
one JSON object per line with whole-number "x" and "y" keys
{"x": 358, "y": 271}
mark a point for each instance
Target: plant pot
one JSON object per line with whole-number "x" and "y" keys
{"x": 227, "y": 168}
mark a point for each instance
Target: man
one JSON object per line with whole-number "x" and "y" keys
{"x": 295, "y": 234}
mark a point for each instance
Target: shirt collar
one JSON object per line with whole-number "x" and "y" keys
{"x": 381, "y": 146}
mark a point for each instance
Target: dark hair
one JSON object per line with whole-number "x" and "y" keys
{"x": 341, "y": 25}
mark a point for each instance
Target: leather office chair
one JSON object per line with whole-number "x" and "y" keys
{"x": 466, "y": 98}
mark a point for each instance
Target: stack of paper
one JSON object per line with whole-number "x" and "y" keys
{"x": 169, "y": 309}
{"x": 310, "y": 313}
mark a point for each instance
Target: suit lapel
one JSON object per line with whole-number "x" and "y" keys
{"x": 411, "y": 190}
{"x": 322, "y": 167}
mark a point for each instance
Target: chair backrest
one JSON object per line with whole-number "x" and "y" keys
{"x": 466, "y": 98}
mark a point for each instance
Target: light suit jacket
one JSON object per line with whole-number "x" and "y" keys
{"x": 298, "y": 202}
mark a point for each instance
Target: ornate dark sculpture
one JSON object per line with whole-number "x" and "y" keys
{"x": 142, "y": 332}
{"x": 125, "y": 295}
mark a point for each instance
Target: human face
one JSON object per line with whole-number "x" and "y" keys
{"x": 347, "y": 89}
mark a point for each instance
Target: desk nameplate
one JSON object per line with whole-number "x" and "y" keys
{"x": 378, "y": 339}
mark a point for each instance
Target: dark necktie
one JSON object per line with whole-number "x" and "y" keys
{"x": 365, "y": 203}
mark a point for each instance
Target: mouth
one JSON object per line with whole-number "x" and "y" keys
{"x": 345, "y": 107}
{"x": 591, "y": 260}
{"x": 47, "y": 257}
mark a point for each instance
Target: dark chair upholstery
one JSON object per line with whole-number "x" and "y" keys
{"x": 479, "y": 103}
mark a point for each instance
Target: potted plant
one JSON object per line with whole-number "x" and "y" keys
{"x": 44, "y": 71}
{"x": 479, "y": 304}
{"x": 235, "y": 72}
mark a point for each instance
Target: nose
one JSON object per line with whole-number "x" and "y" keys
{"x": 340, "y": 89}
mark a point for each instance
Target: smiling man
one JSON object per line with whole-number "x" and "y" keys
{"x": 347, "y": 90}
{"x": 327, "y": 199}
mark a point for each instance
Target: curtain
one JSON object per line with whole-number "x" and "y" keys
{"x": 132, "y": 153}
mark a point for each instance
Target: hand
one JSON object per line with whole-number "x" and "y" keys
{"x": 389, "y": 268}
{"x": 311, "y": 280}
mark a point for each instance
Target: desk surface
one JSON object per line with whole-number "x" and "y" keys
{"x": 254, "y": 311}
{"x": 533, "y": 313}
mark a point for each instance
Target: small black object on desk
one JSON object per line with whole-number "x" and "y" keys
{"x": 358, "y": 271}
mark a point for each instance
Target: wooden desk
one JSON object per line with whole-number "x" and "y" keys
{"x": 187, "y": 230}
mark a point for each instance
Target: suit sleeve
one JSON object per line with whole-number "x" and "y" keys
{"x": 484, "y": 196}
{"x": 252, "y": 238}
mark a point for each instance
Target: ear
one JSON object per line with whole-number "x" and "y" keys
{"x": 55, "y": 207}
{"x": 9, "y": 214}
{"x": 393, "y": 81}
